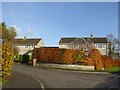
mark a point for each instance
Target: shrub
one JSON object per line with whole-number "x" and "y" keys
{"x": 56, "y": 55}
{"x": 17, "y": 57}
{"x": 97, "y": 59}
{"x": 78, "y": 56}
{"x": 7, "y": 59}
{"x": 25, "y": 58}
{"x": 94, "y": 59}
{"x": 20, "y": 58}
{"x": 30, "y": 58}
{"x": 108, "y": 62}
{"x": 67, "y": 58}
{"x": 89, "y": 61}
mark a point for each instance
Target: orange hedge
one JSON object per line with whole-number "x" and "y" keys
{"x": 56, "y": 55}
{"x": 108, "y": 62}
{"x": 69, "y": 56}
{"x": 95, "y": 59}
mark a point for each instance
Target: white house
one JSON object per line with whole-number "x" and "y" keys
{"x": 26, "y": 45}
{"x": 116, "y": 54}
{"x": 75, "y": 43}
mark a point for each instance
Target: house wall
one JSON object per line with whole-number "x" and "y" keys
{"x": 25, "y": 48}
{"x": 117, "y": 48}
{"x": 65, "y": 45}
{"x": 40, "y": 44}
{"x": 102, "y": 47}
{"x": 103, "y": 50}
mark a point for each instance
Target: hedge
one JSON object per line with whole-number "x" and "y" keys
{"x": 95, "y": 59}
{"x": 55, "y": 55}
{"x": 7, "y": 59}
{"x": 24, "y": 58}
{"x": 108, "y": 62}
{"x": 70, "y": 56}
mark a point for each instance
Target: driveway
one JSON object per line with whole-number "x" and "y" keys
{"x": 62, "y": 78}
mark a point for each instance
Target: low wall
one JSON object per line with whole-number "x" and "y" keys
{"x": 72, "y": 67}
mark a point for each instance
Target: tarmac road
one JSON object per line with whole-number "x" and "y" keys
{"x": 29, "y": 77}
{"x": 20, "y": 80}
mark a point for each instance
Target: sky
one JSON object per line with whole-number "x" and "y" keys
{"x": 53, "y": 20}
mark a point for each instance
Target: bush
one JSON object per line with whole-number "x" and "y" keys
{"x": 79, "y": 56}
{"x": 49, "y": 55}
{"x": 56, "y": 55}
{"x": 7, "y": 59}
{"x": 30, "y": 58}
{"x": 25, "y": 58}
{"x": 94, "y": 59}
{"x": 69, "y": 56}
{"x": 20, "y": 58}
{"x": 16, "y": 57}
{"x": 108, "y": 62}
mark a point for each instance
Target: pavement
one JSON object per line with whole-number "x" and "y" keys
{"x": 26, "y": 76}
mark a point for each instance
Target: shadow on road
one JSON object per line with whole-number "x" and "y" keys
{"x": 111, "y": 82}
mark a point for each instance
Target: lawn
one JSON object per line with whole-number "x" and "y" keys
{"x": 114, "y": 69}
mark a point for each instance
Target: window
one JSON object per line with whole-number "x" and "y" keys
{"x": 104, "y": 45}
{"x": 26, "y": 46}
{"x": 96, "y": 45}
{"x": 33, "y": 46}
{"x": 99, "y": 45}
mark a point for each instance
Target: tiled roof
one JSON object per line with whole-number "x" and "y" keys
{"x": 66, "y": 40}
{"x": 27, "y": 41}
{"x": 100, "y": 40}
{"x": 77, "y": 40}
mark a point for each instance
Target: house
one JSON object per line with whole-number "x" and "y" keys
{"x": 116, "y": 54}
{"x": 116, "y": 48}
{"x": 85, "y": 42}
{"x": 26, "y": 45}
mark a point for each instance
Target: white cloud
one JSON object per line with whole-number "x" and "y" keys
{"x": 18, "y": 30}
{"x": 30, "y": 32}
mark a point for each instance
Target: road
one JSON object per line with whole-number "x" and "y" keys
{"x": 63, "y": 79}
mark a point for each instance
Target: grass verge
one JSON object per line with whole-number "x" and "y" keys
{"x": 112, "y": 70}
{"x": 109, "y": 70}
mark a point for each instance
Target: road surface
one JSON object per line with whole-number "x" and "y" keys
{"x": 48, "y": 78}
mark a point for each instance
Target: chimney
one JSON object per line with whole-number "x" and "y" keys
{"x": 91, "y": 35}
{"x": 24, "y": 38}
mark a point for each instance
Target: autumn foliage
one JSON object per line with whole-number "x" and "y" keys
{"x": 7, "y": 59}
{"x": 70, "y": 56}
{"x": 108, "y": 62}
{"x": 94, "y": 59}
{"x": 53, "y": 55}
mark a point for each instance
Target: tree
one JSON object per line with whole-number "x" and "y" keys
{"x": 112, "y": 41}
{"x": 8, "y": 34}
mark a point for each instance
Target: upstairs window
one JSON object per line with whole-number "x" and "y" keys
{"x": 99, "y": 45}
{"x": 26, "y": 46}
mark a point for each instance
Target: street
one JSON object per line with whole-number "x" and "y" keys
{"x": 45, "y": 78}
